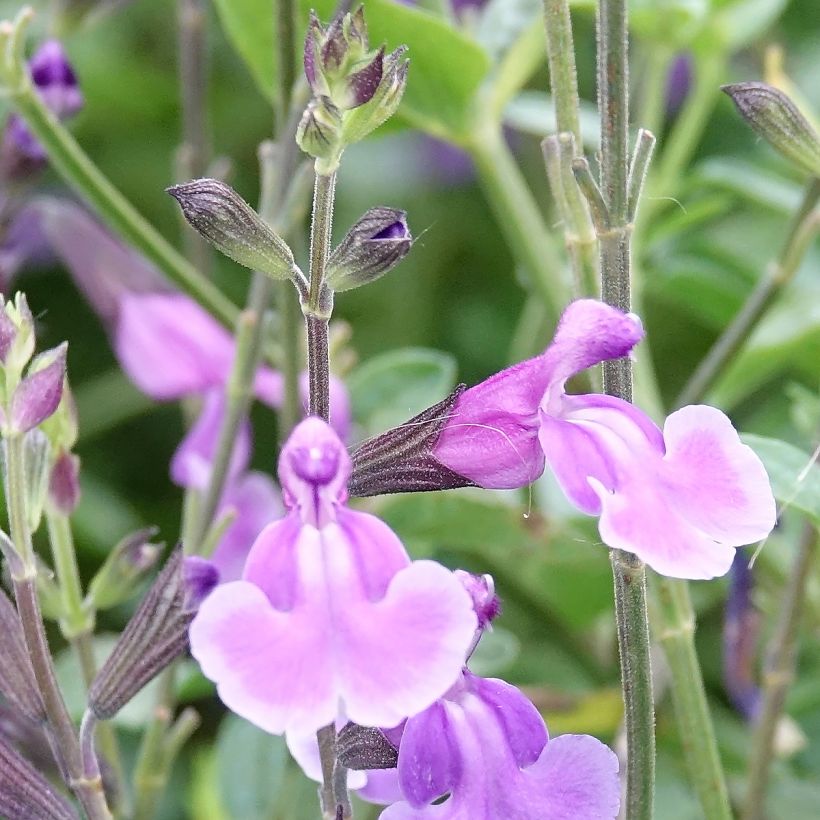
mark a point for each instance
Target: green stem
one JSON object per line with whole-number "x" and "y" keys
{"x": 676, "y": 619}
{"x": 563, "y": 76}
{"x": 628, "y": 571}
{"x": 89, "y": 791}
{"x": 778, "y": 675}
{"x": 804, "y": 227}
{"x": 319, "y": 303}
{"x": 518, "y": 216}
{"x": 78, "y": 171}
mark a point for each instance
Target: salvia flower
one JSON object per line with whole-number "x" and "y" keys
{"x": 56, "y": 83}
{"x": 681, "y": 498}
{"x": 330, "y": 613}
{"x": 485, "y": 747}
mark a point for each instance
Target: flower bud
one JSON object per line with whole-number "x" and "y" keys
{"x": 17, "y": 683}
{"x": 38, "y": 394}
{"x": 156, "y": 634}
{"x": 319, "y": 133}
{"x": 117, "y": 578}
{"x": 16, "y": 333}
{"x": 25, "y": 793}
{"x": 217, "y": 212}
{"x": 362, "y": 748}
{"x": 401, "y": 460}
{"x": 361, "y": 121}
{"x": 64, "y": 483}
{"x": 372, "y": 247}
{"x": 486, "y": 603}
{"x": 773, "y": 116}
{"x": 62, "y": 428}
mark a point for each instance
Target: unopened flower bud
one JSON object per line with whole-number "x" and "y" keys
{"x": 362, "y": 748}
{"x": 401, "y": 460}
{"x": 17, "y": 683}
{"x": 38, "y": 394}
{"x": 62, "y": 428}
{"x": 25, "y": 793}
{"x": 368, "y": 117}
{"x": 774, "y": 116}
{"x": 117, "y": 578}
{"x": 486, "y": 603}
{"x": 217, "y": 212}
{"x": 156, "y": 634}
{"x": 319, "y": 133}
{"x": 16, "y": 334}
{"x": 372, "y": 247}
{"x": 64, "y": 483}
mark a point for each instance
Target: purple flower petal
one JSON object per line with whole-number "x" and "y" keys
{"x": 331, "y": 614}
{"x": 169, "y": 346}
{"x": 193, "y": 459}
{"x": 256, "y": 501}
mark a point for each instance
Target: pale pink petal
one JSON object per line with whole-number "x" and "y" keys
{"x": 169, "y": 346}
{"x": 273, "y": 668}
{"x": 718, "y": 483}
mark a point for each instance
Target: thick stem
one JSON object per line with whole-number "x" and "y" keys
{"x": 778, "y": 675}
{"x": 628, "y": 571}
{"x": 697, "y": 736}
{"x": 519, "y": 217}
{"x": 79, "y": 172}
{"x": 317, "y": 309}
{"x": 804, "y": 228}
{"x": 192, "y": 155}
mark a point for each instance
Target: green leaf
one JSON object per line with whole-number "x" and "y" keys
{"x": 249, "y": 25}
{"x": 794, "y": 476}
{"x": 389, "y": 389}
{"x": 447, "y": 66}
{"x": 251, "y": 767}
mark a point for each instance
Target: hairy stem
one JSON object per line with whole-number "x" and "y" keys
{"x": 676, "y": 618}
{"x": 628, "y": 571}
{"x": 778, "y": 675}
{"x": 89, "y": 791}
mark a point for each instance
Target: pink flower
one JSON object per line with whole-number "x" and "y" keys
{"x": 680, "y": 499}
{"x": 331, "y": 616}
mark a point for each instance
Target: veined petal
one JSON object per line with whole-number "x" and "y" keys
{"x": 714, "y": 480}
{"x": 193, "y": 459}
{"x": 169, "y": 346}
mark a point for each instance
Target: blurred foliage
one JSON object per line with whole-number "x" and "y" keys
{"x": 707, "y": 232}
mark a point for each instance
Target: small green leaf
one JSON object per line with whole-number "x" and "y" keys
{"x": 794, "y": 476}
{"x": 389, "y": 389}
{"x": 250, "y": 765}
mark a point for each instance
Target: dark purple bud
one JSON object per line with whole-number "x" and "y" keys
{"x": 741, "y": 630}
{"x": 362, "y": 85}
{"x": 772, "y": 115}
{"x": 217, "y": 212}
{"x": 117, "y": 579}
{"x": 64, "y": 483}
{"x": 55, "y": 81}
{"x": 486, "y": 603}
{"x": 313, "y": 38}
{"x": 334, "y": 47}
{"x": 17, "y": 683}
{"x": 371, "y": 248}
{"x": 356, "y": 30}
{"x": 156, "y": 635}
{"x": 678, "y": 82}
{"x": 200, "y": 576}
{"x": 24, "y": 793}
{"x": 401, "y": 460}
{"x": 38, "y": 394}
{"x": 362, "y": 748}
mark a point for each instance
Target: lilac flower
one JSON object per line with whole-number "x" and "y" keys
{"x": 485, "y": 745}
{"x": 331, "y": 616}
{"x": 56, "y": 83}
{"x": 681, "y": 499}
